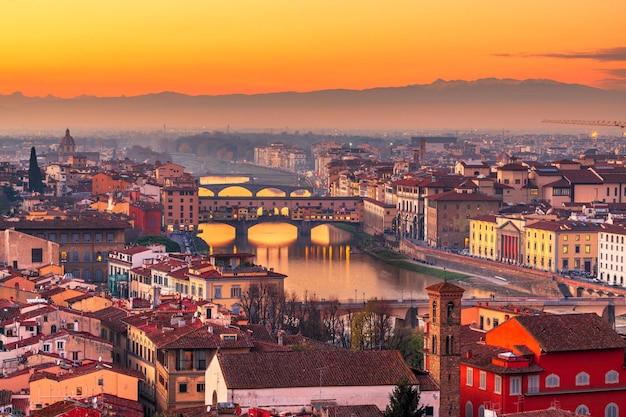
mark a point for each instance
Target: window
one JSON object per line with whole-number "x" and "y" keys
{"x": 110, "y": 237}
{"x": 483, "y": 380}
{"x": 587, "y": 248}
{"x": 469, "y": 377}
{"x": 37, "y": 255}
{"x": 60, "y": 345}
{"x": 235, "y": 292}
{"x": 75, "y": 237}
{"x": 497, "y": 384}
{"x": 582, "y": 410}
{"x": 533, "y": 383}
{"x": 200, "y": 387}
{"x": 182, "y": 387}
{"x": 582, "y": 379}
{"x": 611, "y": 410}
{"x": 87, "y": 256}
{"x": 469, "y": 409}
{"x": 63, "y": 237}
{"x": 217, "y": 291}
{"x": 98, "y": 237}
{"x": 515, "y": 387}
{"x": 565, "y": 249}
{"x": 553, "y": 381}
{"x": 46, "y": 347}
{"x": 611, "y": 377}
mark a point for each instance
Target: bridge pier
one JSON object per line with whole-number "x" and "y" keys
{"x": 304, "y": 229}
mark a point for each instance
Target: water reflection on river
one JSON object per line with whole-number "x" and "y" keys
{"x": 322, "y": 266}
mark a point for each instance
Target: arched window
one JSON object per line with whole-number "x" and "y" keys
{"x": 434, "y": 310}
{"x": 448, "y": 345}
{"x": 582, "y": 379}
{"x": 582, "y": 410}
{"x": 435, "y": 345}
{"x": 450, "y": 310}
{"x": 611, "y": 410}
{"x": 553, "y": 381}
{"x": 481, "y": 411}
{"x": 469, "y": 409}
{"x": 611, "y": 377}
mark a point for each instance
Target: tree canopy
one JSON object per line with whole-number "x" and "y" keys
{"x": 404, "y": 402}
{"x": 35, "y": 179}
{"x": 170, "y": 245}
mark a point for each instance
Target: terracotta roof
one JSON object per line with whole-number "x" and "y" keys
{"x": 477, "y": 354}
{"x": 550, "y": 412}
{"x": 454, "y": 196}
{"x": 491, "y": 218}
{"x": 571, "y": 332}
{"x": 111, "y": 318}
{"x": 513, "y": 167}
{"x": 369, "y": 410}
{"x": 210, "y": 337}
{"x": 82, "y": 223}
{"x": 581, "y": 176}
{"x": 445, "y": 287}
{"x": 314, "y": 369}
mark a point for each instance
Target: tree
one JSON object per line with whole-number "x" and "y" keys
{"x": 147, "y": 240}
{"x": 404, "y": 401}
{"x": 35, "y": 179}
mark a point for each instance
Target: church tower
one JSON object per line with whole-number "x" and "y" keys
{"x": 443, "y": 344}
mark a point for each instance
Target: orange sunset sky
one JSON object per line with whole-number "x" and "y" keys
{"x": 68, "y": 48}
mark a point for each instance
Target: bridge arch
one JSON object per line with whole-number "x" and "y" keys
{"x": 301, "y": 192}
{"x": 235, "y": 191}
{"x": 271, "y": 192}
{"x": 205, "y": 192}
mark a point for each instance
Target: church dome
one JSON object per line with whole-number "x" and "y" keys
{"x": 67, "y": 145}
{"x": 67, "y": 140}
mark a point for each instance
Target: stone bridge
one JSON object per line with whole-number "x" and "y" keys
{"x": 251, "y": 189}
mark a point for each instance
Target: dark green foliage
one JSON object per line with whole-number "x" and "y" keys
{"x": 404, "y": 401}
{"x": 170, "y": 245}
{"x": 35, "y": 179}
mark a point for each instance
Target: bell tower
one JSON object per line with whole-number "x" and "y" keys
{"x": 443, "y": 352}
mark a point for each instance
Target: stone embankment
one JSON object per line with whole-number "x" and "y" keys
{"x": 512, "y": 277}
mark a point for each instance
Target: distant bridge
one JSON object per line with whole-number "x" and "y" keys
{"x": 303, "y": 212}
{"x": 255, "y": 190}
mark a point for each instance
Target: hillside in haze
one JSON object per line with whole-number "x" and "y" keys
{"x": 482, "y": 104}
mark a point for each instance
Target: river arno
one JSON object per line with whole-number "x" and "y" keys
{"x": 323, "y": 266}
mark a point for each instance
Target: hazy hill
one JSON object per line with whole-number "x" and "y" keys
{"x": 482, "y": 104}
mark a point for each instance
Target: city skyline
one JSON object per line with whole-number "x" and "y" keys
{"x": 68, "y": 49}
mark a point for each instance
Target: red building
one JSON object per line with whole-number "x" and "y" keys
{"x": 146, "y": 217}
{"x": 531, "y": 362}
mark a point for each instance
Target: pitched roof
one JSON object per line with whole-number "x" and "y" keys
{"x": 571, "y": 332}
{"x": 454, "y": 196}
{"x": 260, "y": 370}
{"x": 445, "y": 287}
{"x": 369, "y": 410}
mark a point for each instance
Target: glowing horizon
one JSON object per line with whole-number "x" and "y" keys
{"x": 114, "y": 48}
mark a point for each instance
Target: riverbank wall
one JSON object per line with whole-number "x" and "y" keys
{"x": 515, "y": 277}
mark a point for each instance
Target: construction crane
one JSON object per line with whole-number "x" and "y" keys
{"x": 615, "y": 123}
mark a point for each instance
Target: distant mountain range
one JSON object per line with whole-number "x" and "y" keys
{"x": 499, "y": 104}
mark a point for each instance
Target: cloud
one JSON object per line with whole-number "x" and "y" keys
{"x": 608, "y": 54}
{"x": 615, "y": 79}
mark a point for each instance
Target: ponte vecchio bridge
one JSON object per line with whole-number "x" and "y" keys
{"x": 245, "y": 205}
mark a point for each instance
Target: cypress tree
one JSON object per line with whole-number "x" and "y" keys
{"x": 404, "y": 402}
{"x": 35, "y": 180}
